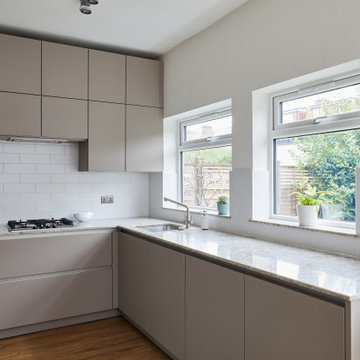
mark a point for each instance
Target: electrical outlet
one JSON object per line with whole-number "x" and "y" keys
{"x": 107, "y": 199}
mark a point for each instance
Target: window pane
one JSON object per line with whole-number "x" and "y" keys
{"x": 334, "y": 102}
{"x": 208, "y": 129}
{"x": 326, "y": 161}
{"x": 206, "y": 176}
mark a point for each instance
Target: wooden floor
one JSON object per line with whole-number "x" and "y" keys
{"x": 109, "y": 339}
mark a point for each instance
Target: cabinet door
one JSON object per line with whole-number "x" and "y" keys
{"x": 20, "y": 64}
{"x": 42, "y": 254}
{"x": 106, "y": 76}
{"x": 20, "y": 115}
{"x": 133, "y": 278}
{"x": 106, "y": 144}
{"x": 282, "y": 324}
{"x": 144, "y": 139}
{"x": 51, "y": 297}
{"x": 64, "y": 118}
{"x": 166, "y": 298}
{"x": 64, "y": 70}
{"x": 143, "y": 82}
{"x": 214, "y": 312}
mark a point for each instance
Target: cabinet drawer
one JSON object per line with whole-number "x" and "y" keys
{"x": 47, "y": 254}
{"x": 20, "y": 114}
{"x": 36, "y": 300}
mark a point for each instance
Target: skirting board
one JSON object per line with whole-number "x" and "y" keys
{"x": 22, "y": 330}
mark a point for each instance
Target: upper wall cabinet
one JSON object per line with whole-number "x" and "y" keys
{"x": 20, "y": 64}
{"x": 144, "y": 139}
{"x": 106, "y": 76}
{"x": 143, "y": 83}
{"x": 20, "y": 114}
{"x": 64, "y": 118}
{"x": 64, "y": 70}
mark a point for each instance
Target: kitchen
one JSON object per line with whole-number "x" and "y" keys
{"x": 93, "y": 126}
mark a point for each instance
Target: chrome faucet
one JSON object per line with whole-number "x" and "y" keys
{"x": 187, "y": 218}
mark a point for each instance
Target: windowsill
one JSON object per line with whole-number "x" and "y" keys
{"x": 319, "y": 228}
{"x": 199, "y": 212}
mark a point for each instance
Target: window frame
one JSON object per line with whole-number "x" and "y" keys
{"x": 200, "y": 144}
{"x": 320, "y": 125}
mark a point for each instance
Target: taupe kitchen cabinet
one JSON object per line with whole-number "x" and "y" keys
{"x": 166, "y": 293}
{"x": 214, "y": 312}
{"x": 20, "y": 114}
{"x": 107, "y": 76}
{"x": 64, "y": 71}
{"x": 64, "y": 118}
{"x": 144, "y": 139}
{"x": 54, "y": 296}
{"x": 105, "y": 149}
{"x": 144, "y": 82}
{"x": 133, "y": 278}
{"x": 20, "y": 64}
{"x": 283, "y": 324}
{"x": 50, "y": 277}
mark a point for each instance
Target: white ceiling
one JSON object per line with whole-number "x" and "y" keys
{"x": 148, "y": 27}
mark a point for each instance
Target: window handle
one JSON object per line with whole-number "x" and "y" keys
{"x": 317, "y": 120}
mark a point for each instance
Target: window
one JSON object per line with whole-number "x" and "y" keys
{"x": 316, "y": 142}
{"x": 205, "y": 159}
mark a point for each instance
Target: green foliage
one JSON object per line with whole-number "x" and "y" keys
{"x": 307, "y": 194}
{"x": 330, "y": 161}
{"x": 222, "y": 200}
{"x": 221, "y": 155}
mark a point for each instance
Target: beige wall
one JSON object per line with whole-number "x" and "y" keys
{"x": 262, "y": 43}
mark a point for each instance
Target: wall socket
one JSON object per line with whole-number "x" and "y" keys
{"x": 107, "y": 199}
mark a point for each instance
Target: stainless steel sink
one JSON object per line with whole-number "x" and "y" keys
{"x": 160, "y": 227}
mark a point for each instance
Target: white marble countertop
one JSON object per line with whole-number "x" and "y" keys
{"x": 321, "y": 272}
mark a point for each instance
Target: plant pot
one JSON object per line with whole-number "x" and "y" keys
{"x": 307, "y": 214}
{"x": 223, "y": 209}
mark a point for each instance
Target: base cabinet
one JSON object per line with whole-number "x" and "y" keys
{"x": 166, "y": 305}
{"x": 52, "y": 297}
{"x": 214, "y": 312}
{"x": 283, "y": 324}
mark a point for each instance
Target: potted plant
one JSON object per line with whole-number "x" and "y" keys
{"x": 223, "y": 205}
{"x": 308, "y": 204}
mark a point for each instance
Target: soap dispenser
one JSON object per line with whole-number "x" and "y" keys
{"x": 204, "y": 221}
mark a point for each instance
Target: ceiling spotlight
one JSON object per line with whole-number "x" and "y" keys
{"x": 85, "y": 7}
{"x": 93, "y": 2}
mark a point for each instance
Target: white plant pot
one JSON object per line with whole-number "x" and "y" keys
{"x": 307, "y": 214}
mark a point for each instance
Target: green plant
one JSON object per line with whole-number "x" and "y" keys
{"x": 222, "y": 200}
{"x": 308, "y": 194}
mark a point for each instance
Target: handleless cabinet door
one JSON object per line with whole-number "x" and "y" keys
{"x": 166, "y": 298}
{"x": 133, "y": 278}
{"x": 144, "y": 139}
{"x": 64, "y": 118}
{"x": 283, "y": 324}
{"x": 143, "y": 83}
{"x": 64, "y": 71}
{"x": 20, "y": 64}
{"x": 106, "y": 76}
{"x": 20, "y": 115}
{"x": 106, "y": 144}
{"x": 214, "y": 312}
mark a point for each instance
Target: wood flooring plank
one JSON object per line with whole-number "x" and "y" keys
{"x": 109, "y": 339}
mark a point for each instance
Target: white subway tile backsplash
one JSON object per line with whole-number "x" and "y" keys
{"x": 34, "y": 159}
{"x": 18, "y": 148}
{"x": 49, "y": 168}
{"x": 35, "y": 178}
{"x": 42, "y": 180}
{"x": 19, "y": 168}
{"x": 19, "y": 188}
{"x": 50, "y": 188}
{"x": 9, "y": 158}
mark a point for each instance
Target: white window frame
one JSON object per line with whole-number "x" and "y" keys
{"x": 321, "y": 125}
{"x": 200, "y": 144}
